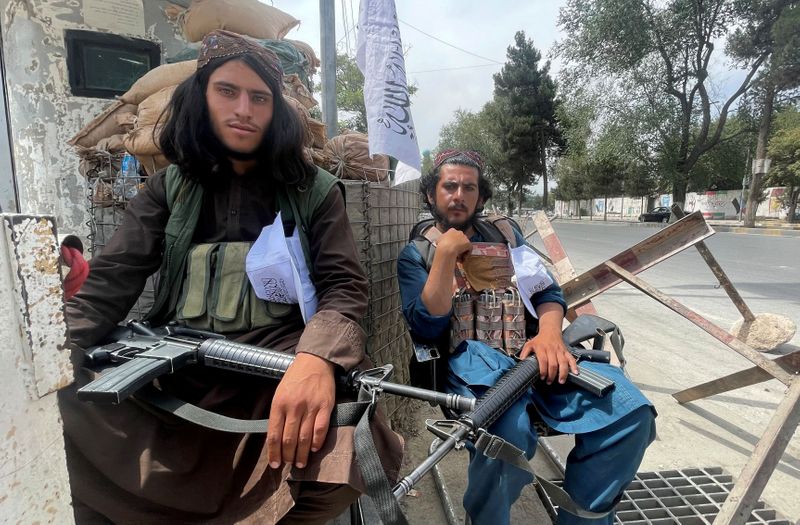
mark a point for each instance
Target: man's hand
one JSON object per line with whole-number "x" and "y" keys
{"x": 72, "y": 257}
{"x": 301, "y": 411}
{"x": 554, "y": 358}
{"x": 454, "y": 243}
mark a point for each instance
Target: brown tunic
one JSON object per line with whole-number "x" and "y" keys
{"x": 136, "y": 464}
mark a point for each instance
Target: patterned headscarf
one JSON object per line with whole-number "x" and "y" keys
{"x": 224, "y": 44}
{"x": 444, "y": 155}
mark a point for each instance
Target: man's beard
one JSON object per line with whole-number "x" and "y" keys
{"x": 442, "y": 219}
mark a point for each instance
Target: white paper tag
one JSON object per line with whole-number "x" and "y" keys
{"x": 277, "y": 269}
{"x": 530, "y": 273}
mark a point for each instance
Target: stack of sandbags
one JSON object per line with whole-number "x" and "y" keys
{"x": 142, "y": 141}
{"x": 158, "y": 78}
{"x": 114, "y": 121}
{"x": 294, "y": 87}
{"x": 348, "y": 158}
{"x": 296, "y": 58}
{"x": 246, "y": 17}
{"x": 130, "y": 123}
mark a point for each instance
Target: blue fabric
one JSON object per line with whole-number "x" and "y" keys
{"x": 611, "y": 433}
{"x": 412, "y": 274}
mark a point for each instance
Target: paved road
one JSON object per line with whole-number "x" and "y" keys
{"x": 765, "y": 269}
{"x": 667, "y": 353}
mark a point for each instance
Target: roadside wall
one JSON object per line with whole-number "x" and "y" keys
{"x": 713, "y": 204}
{"x": 43, "y": 113}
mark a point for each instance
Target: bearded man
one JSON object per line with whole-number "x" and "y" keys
{"x": 611, "y": 432}
{"x": 237, "y": 156}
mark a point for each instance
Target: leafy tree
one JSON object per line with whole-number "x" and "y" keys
{"x": 350, "y": 93}
{"x": 724, "y": 165}
{"x": 525, "y": 104}
{"x": 661, "y": 50}
{"x": 780, "y": 42}
{"x": 427, "y": 161}
{"x": 784, "y": 150}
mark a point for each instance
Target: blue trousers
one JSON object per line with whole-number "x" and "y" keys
{"x": 611, "y": 435}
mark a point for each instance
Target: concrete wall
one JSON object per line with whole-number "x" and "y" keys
{"x": 713, "y": 204}
{"x": 43, "y": 114}
{"x": 34, "y": 363}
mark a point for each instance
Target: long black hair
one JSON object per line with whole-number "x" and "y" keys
{"x": 188, "y": 139}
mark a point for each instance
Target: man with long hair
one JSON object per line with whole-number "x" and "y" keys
{"x": 236, "y": 149}
{"x": 611, "y": 432}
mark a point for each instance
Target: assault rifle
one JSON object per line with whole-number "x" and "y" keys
{"x": 144, "y": 354}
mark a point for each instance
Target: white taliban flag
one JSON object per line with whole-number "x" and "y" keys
{"x": 380, "y": 58}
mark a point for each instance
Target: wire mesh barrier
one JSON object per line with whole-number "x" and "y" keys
{"x": 382, "y": 217}
{"x": 692, "y": 496}
{"x": 107, "y": 194}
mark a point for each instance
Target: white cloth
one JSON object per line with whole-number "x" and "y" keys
{"x": 380, "y": 58}
{"x": 530, "y": 274}
{"x": 404, "y": 173}
{"x": 277, "y": 270}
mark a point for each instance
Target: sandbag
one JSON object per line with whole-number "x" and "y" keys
{"x": 112, "y": 144}
{"x": 293, "y": 61}
{"x": 246, "y": 17}
{"x": 152, "y": 163}
{"x": 302, "y": 113}
{"x": 318, "y": 133}
{"x": 295, "y": 88}
{"x": 159, "y": 78}
{"x": 143, "y": 141}
{"x": 308, "y": 51}
{"x": 151, "y": 108}
{"x": 349, "y": 158}
{"x": 104, "y": 125}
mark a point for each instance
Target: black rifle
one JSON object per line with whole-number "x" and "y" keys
{"x": 147, "y": 354}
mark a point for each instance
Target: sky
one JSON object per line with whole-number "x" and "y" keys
{"x": 447, "y": 78}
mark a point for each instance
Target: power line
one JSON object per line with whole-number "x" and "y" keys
{"x": 450, "y": 69}
{"x": 449, "y": 44}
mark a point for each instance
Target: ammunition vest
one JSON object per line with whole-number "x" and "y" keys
{"x": 205, "y": 285}
{"x": 495, "y": 317}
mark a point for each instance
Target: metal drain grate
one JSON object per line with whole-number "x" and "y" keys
{"x": 687, "y": 497}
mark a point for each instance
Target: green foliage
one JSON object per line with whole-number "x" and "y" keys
{"x": 350, "y": 93}
{"x": 724, "y": 165}
{"x": 427, "y": 161}
{"x": 784, "y": 150}
{"x": 656, "y": 57}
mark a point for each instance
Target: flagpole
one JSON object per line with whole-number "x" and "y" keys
{"x": 327, "y": 15}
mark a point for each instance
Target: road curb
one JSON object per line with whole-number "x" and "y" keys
{"x": 721, "y": 228}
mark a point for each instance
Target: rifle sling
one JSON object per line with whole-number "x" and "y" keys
{"x": 496, "y": 447}
{"x": 357, "y": 413}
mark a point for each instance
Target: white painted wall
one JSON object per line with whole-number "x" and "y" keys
{"x": 713, "y": 204}
{"x": 43, "y": 114}
{"x": 34, "y": 363}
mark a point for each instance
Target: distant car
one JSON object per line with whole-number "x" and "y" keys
{"x": 660, "y": 214}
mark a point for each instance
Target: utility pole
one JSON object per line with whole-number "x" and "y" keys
{"x": 327, "y": 16}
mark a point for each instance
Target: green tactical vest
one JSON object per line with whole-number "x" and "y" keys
{"x": 226, "y": 302}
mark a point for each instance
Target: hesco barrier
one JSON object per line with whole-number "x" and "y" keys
{"x": 382, "y": 218}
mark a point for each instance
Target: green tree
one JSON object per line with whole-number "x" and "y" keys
{"x": 771, "y": 29}
{"x": 525, "y": 100}
{"x": 784, "y": 150}
{"x": 427, "y": 161}
{"x": 350, "y": 93}
{"x": 662, "y": 51}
